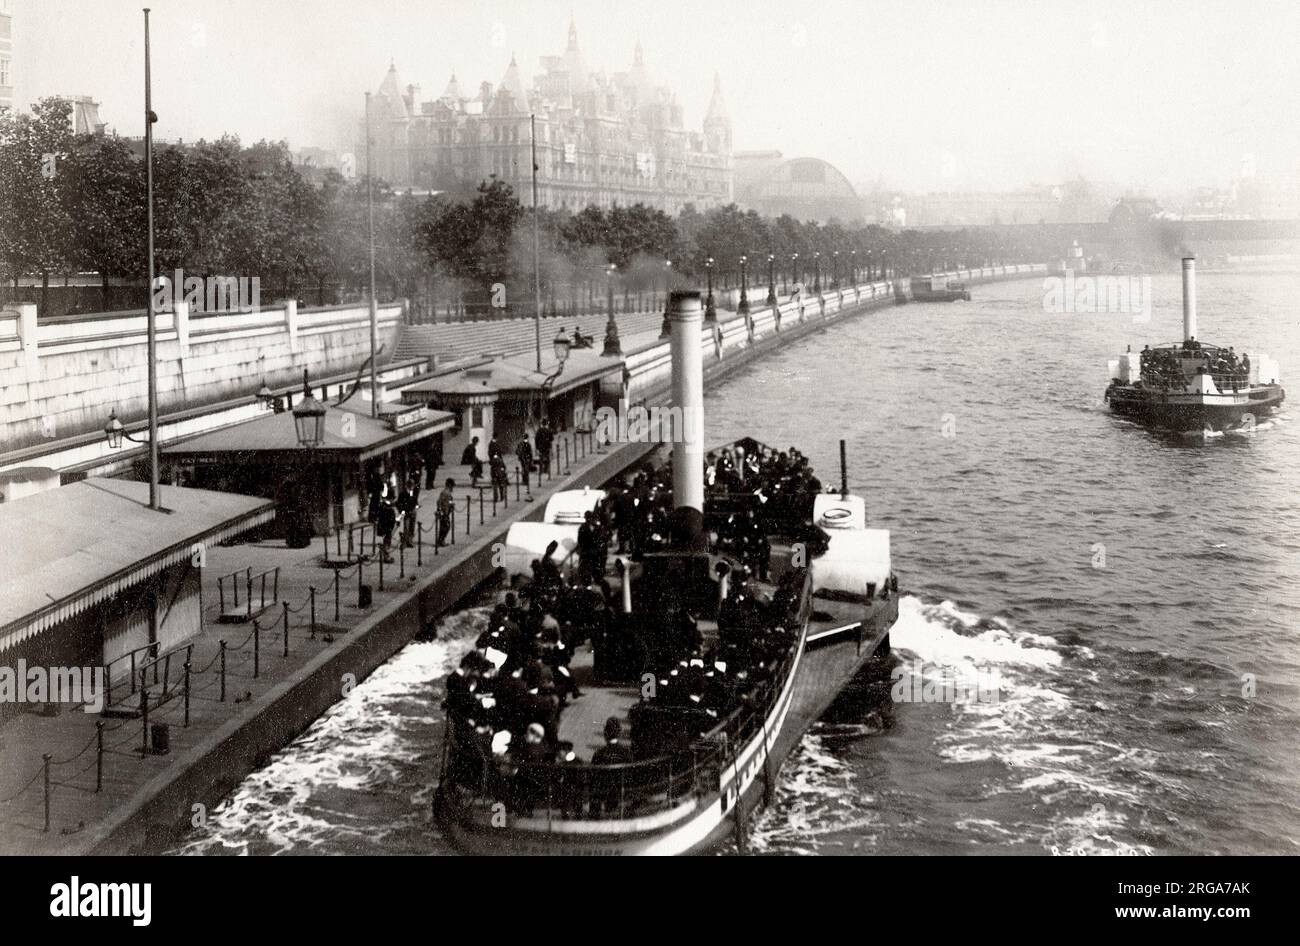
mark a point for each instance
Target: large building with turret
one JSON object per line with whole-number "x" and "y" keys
{"x": 601, "y": 139}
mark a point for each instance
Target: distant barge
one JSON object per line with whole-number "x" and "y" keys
{"x": 938, "y": 289}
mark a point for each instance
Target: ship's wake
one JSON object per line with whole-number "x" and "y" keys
{"x": 360, "y": 779}
{"x": 1010, "y": 710}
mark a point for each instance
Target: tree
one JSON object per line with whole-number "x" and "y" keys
{"x": 104, "y": 193}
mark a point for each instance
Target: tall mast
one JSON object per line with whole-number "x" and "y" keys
{"x": 537, "y": 266}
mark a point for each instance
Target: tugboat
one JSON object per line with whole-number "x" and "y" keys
{"x": 938, "y": 289}
{"x": 687, "y": 655}
{"x": 1193, "y": 386}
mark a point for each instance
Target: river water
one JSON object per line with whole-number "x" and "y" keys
{"x": 1127, "y": 601}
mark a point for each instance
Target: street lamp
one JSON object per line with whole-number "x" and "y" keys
{"x": 561, "y": 345}
{"x": 853, "y": 267}
{"x": 265, "y": 396}
{"x": 309, "y": 417}
{"x": 794, "y": 268}
{"x": 710, "y": 311}
{"x": 612, "y": 344}
{"x": 114, "y": 433}
{"x": 771, "y": 279}
{"x": 817, "y": 271}
{"x": 743, "y": 308}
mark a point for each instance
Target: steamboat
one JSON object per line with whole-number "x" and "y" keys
{"x": 1194, "y": 386}
{"x": 643, "y": 699}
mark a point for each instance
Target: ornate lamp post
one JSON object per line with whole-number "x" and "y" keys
{"x": 835, "y": 269}
{"x": 561, "y": 346}
{"x": 853, "y": 267}
{"x": 710, "y": 310}
{"x": 309, "y": 417}
{"x": 817, "y": 271}
{"x": 612, "y": 344}
{"x": 794, "y": 268}
{"x": 771, "y": 279}
{"x": 743, "y": 308}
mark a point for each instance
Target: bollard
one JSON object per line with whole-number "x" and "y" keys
{"x": 338, "y": 587}
{"x": 286, "y": 629}
{"x": 468, "y": 501}
{"x": 312, "y": 592}
{"x": 494, "y": 500}
{"x": 359, "y": 582}
{"x": 401, "y": 559}
{"x": 519, "y": 482}
{"x": 257, "y": 649}
{"x": 99, "y": 755}
{"x": 46, "y": 759}
{"x": 187, "y": 695}
{"x": 223, "y": 670}
{"x": 381, "y": 570}
{"x": 480, "y": 506}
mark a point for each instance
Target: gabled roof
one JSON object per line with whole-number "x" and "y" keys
{"x": 513, "y": 83}
{"x": 68, "y": 548}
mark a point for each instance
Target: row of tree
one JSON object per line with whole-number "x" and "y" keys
{"x": 76, "y": 204}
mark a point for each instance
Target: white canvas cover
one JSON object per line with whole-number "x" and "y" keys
{"x": 854, "y": 560}
{"x": 832, "y": 512}
{"x": 571, "y": 505}
{"x": 528, "y": 540}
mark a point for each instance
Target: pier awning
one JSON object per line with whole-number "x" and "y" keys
{"x": 516, "y": 377}
{"x": 69, "y": 548}
{"x": 350, "y": 436}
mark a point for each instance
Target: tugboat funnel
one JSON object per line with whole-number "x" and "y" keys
{"x": 1189, "y": 298}
{"x": 685, "y": 318}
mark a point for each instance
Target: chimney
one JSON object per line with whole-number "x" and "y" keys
{"x": 685, "y": 319}
{"x": 1189, "y": 297}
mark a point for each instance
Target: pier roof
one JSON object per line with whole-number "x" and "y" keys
{"x": 274, "y": 437}
{"x": 518, "y": 375}
{"x": 68, "y": 548}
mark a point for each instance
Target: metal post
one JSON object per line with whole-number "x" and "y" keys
{"x": 144, "y": 715}
{"x": 223, "y": 670}
{"x": 338, "y": 588}
{"x": 537, "y": 268}
{"x": 468, "y": 501}
{"x": 187, "y": 694}
{"x": 152, "y": 326}
{"x": 46, "y": 764}
{"x": 257, "y": 649}
{"x": 360, "y": 570}
{"x": 401, "y": 559}
{"x": 480, "y": 506}
{"x": 419, "y": 544}
{"x": 374, "y": 306}
{"x": 313, "y": 611}
{"x": 381, "y": 570}
{"x": 99, "y": 755}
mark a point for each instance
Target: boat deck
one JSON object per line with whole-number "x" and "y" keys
{"x": 582, "y": 722}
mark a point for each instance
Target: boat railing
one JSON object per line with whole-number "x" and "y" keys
{"x": 474, "y": 777}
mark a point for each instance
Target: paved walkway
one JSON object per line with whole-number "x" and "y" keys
{"x": 87, "y": 785}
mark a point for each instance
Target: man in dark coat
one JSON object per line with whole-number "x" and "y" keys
{"x": 524, "y": 456}
{"x": 544, "y": 439}
{"x": 470, "y": 459}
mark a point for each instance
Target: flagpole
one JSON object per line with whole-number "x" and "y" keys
{"x": 151, "y": 320}
{"x": 374, "y": 305}
{"x": 537, "y": 270}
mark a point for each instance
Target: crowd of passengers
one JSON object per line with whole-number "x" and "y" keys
{"x": 510, "y": 689}
{"x": 1163, "y": 367}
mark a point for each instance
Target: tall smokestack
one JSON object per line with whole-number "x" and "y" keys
{"x": 685, "y": 319}
{"x": 1189, "y": 297}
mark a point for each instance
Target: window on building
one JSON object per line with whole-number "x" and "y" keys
{"x": 4, "y": 71}
{"x": 476, "y": 417}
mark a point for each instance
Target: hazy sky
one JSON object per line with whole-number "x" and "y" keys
{"x": 922, "y": 94}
